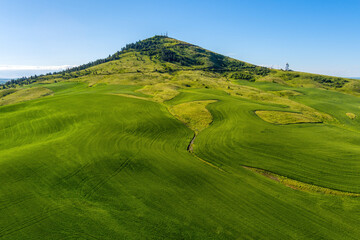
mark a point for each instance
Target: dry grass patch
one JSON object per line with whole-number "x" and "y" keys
{"x": 130, "y": 96}
{"x": 286, "y": 93}
{"x": 272, "y": 79}
{"x": 297, "y": 185}
{"x": 25, "y": 95}
{"x": 351, "y": 115}
{"x": 6, "y": 92}
{"x": 193, "y": 114}
{"x": 279, "y": 117}
{"x": 161, "y": 91}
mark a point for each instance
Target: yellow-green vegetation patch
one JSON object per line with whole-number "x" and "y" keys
{"x": 280, "y": 117}
{"x": 352, "y": 87}
{"x": 287, "y": 93}
{"x": 131, "y": 96}
{"x": 351, "y": 115}
{"x": 161, "y": 92}
{"x": 128, "y": 63}
{"x": 24, "y": 95}
{"x": 193, "y": 114}
{"x": 277, "y": 97}
{"x": 297, "y": 185}
{"x": 272, "y": 79}
{"x": 6, "y": 92}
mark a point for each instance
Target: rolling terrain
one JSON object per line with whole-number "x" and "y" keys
{"x": 167, "y": 140}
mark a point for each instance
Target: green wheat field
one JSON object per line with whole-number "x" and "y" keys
{"x": 167, "y": 140}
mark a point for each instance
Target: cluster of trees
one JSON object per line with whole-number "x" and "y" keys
{"x": 289, "y": 76}
{"x": 168, "y": 55}
{"x": 243, "y": 76}
{"x": 154, "y": 47}
{"x": 20, "y": 81}
{"x": 221, "y": 63}
{"x": 329, "y": 81}
{"x": 148, "y": 45}
{"x": 262, "y": 71}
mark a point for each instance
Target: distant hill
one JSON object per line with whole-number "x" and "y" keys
{"x": 3, "y": 80}
{"x": 167, "y": 55}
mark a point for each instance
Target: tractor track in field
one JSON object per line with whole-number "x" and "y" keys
{"x": 7, "y": 204}
{"x": 105, "y": 180}
{"x": 80, "y": 235}
{"x": 72, "y": 174}
{"x": 27, "y": 222}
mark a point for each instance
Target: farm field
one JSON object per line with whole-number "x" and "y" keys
{"x": 144, "y": 146}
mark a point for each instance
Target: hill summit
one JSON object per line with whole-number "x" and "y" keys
{"x": 167, "y": 55}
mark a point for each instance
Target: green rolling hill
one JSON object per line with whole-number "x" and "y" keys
{"x": 167, "y": 140}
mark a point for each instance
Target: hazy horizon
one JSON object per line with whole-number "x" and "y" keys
{"x": 13, "y": 74}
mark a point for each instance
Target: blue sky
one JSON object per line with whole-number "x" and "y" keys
{"x": 313, "y": 36}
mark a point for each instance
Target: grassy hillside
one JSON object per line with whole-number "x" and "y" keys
{"x": 166, "y": 140}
